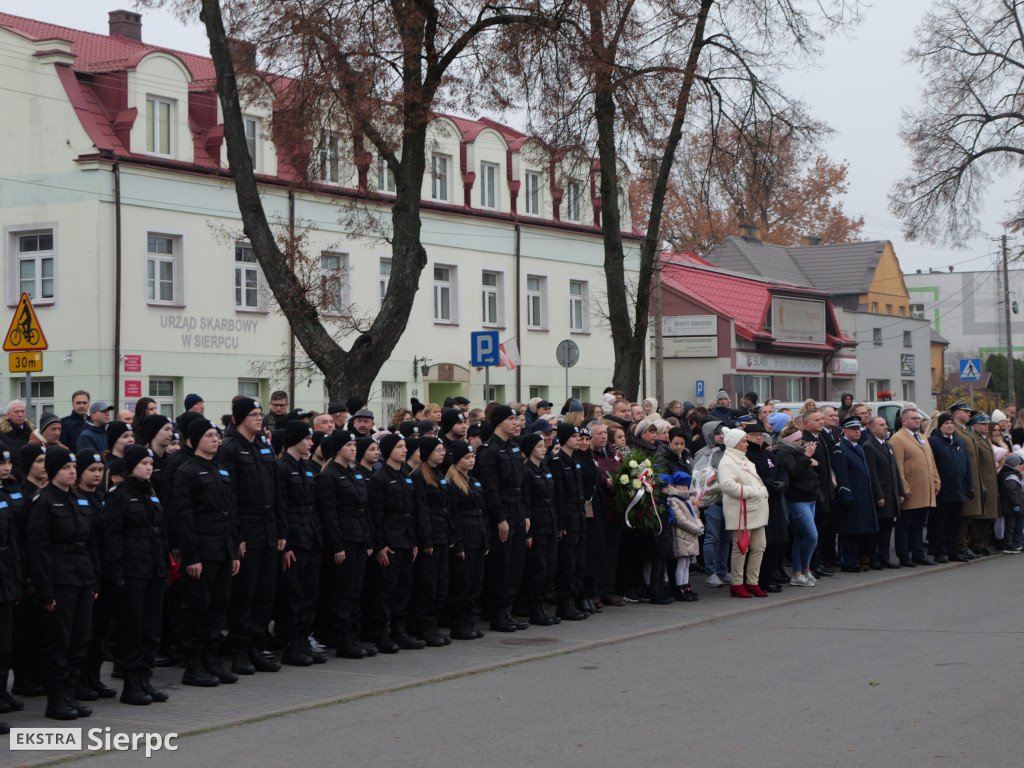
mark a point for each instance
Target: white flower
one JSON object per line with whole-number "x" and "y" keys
{"x": 636, "y": 483}
{"x": 623, "y": 479}
{"x": 647, "y": 462}
{"x": 633, "y": 464}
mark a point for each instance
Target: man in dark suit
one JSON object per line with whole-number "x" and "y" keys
{"x": 886, "y": 488}
{"x": 856, "y": 521}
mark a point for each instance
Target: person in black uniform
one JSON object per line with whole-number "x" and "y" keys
{"x": 65, "y": 569}
{"x": 392, "y": 509}
{"x": 11, "y": 587}
{"x": 453, "y": 427}
{"x": 499, "y": 467}
{"x": 135, "y": 565}
{"x": 156, "y": 432}
{"x": 342, "y": 503}
{"x": 33, "y": 463}
{"x": 435, "y": 534}
{"x": 207, "y": 532}
{"x": 25, "y": 619}
{"x": 299, "y": 582}
{"x": 568, "y": 476}
{"x": 466, "y": 565}
{"x": 542, "y": 541}
{"x": 246, "y": 454}
{"x": 90, "y": 471}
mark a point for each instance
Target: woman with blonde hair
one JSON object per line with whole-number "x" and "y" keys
{"x": 808, "y": 405}
{"x": 432, "y": 413}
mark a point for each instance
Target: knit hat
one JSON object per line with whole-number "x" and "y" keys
{"x": 412, "y": 445}
{"x": 388, "y": 443}
{"x": 528, "y": 443}
{"x": 500, "y": 413}
{"x": 643, "y": 427}
{"x": 778, "y": 421}
{"x": 575, "y": 406}
{"x": 1013, "y": 460}
{"x": 295, "y": 432}
{"x": 115, "y": 467}
{"x": 542, "y": 426}
{"x": 114, "y": 431}
{"x": 318, "y": 438}
{"x": 733, "y": 437}
{"x": 46, "y": 419}
{"x": 149, "y": 427}
{"x": 339, "y": 407}
{"x": 450, "y": 418}
{"x": 362, "y": 443}
{"x": 133, "y": 454}
{"x": 721, "y": 394}
{"x": 337, "y": 440}
{"x": 427, "y": 446}
{"x": 277, "y": 440}
{"x": 56, "y": 459}
{"x": 998, "y": 415}
{"x": 943, "y": 418}
{"x": 1000, "y": 453}
{"x": 566, "y": 431}
{"x": 425, "y": 426}
{"x": 459, "y": 449}
{"x": 192, "y": 400}
{"x": 242, "y": 407}
{"x": 486, "y": 431}
{"x": 417, "y": 406}
{"x": 354, "y": 404}
{"x": 86, "y": 458}
{"x": 5, "y": 455}
{"x": 408, "y": 428}
{"x": 197, "y": 429}
{"x": 186, "y": 420}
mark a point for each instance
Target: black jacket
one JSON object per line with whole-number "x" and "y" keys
{"x": 568, "y": 477}
{"x": 135, "y": 534}
{"x": 669, "y": 461}
{"x": 298, "y": 491}
{"x": 954, "y": 468}
{"x": 342, "y": 501}
{"x": 886, "y": 482}
{"x": 204, "y": 512}
{"x": 470, "y": 518}
{"x": 62, "y": 542}
{"x": 260, "y": 499}
{"x": 435, "y": 526}
{"x": 392, "y": 509}
{"x": 12, "y": 492}
{"x": 540, "y": 495}
{"x": 823, "y": 455}
{"x": 776, "y": 480}
{"x": 499, "y": 467}
{"x": 11, "y": 581}
{"x": 803, "y": 480}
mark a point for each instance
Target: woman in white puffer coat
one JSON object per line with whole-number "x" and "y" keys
{"x": 745, "y": 507}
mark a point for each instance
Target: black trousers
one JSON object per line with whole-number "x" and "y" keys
{"x": 596, "y": 572}
{"x": 252, "y": 595}
{"x": 540, "y": 564}
{"x": 948, "y": 534}
{"x": 298, "y": 590}
{"x": 825, "y": 551}
{"x": 389, "y": 590}
{"x": 606, "y": 583}
{"x": 504, "y": 568}
{"x": 104, "y": 612}
{"x": 883, "y": 540}
{"x": 25, "y": 641}
{"x": 64, "y": 633}
{"x": 572, "y": 555}
{"x": 6, "y": 624}
{"x": 429, "y": 584}
{"x": 771, "y": 561}
{"x": 204, "y": 606}
{"x": 465, "y": 586}
{"x": 346, "y": 590}
{"x": 135, "y": 635}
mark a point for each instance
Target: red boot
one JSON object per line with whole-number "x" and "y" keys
{"x": 740, "y": 591}
{"x": 756, "y": 590}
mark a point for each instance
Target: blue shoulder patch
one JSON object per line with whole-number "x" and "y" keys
{"x": 476, "y": 483}
{"x": 308, "y": 473}
{"x": 3, "y": 505}
{"x": 359, "y": 477}
{"x": 154, "y": 499}
{"x": 264, "y": 450}
{"x": 548, "y": 475}
{"x": 444, "y": 482}
{"x": 83, "y": 502}
{"x": 515, "y": 449}
{"x": 14, "y": 495}
{"x": 408, "y": 481}
{"x": 223, "y": 472}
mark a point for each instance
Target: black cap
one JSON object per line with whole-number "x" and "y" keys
{"x": 458, "y": 449}
{"x": 500, "y": 413}
{"x": 427, "y": 446}
{"x": 754, "y": 428}
{"x": 450, "y": 418}
{"x": 448, "y": 403}
{"x": 362, "y": 443}
{"x": 544, "y": 404}
{"x": 277, "y": 440}
{"x": 192, "y": 400}
{"x": 133, "y": 454}
{"x": 566, "y": 431}
{"x": 318, "y": 439}
{"x": 149, "y": 427}
{"x": 337, "y": 407}
{"x": 417, "y": 406}
{"x": 56, "y": 459}
{"x": 242, "y": 407}
{"x": 412, "y": 444}
{"x": 27, "y": 455}
{"x": 474, "y": 429}
{"x": 6, "y": 455}
{"x": 460, "y": 400}
{"x": 943, "y": 418}
{"x": 186, "y": 420}
{"x": 88, "y": 457}
{"x": 46, "y": 419}
{"x": 114, "y": 431}
{"x": 388, "y": 443}
{"x": 295, "y": 432}
{"x": 425, "y": 426}
{"x": 197, "y": 429}
{"x": 528, "y": 443}
{"x": 486, "y": 431}
{"x": 353, "y": 404}
{"x": 363, "y": 413}
{"x": 408, "y": 428}
{"x": 338, "y": 439}
{"x": 296, "y": 415}
{"x": 542, "y": 425}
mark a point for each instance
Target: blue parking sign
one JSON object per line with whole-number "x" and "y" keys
{"x": 484, "y": 350}
{"x": 700, "y": 388}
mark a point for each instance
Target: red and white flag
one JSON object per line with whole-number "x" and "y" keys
{"x": 509, "y": 354}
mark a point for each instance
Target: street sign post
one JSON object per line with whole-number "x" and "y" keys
{"x": 485, "y": 352}
{"x": 568, "y": 354}
{"x": 25, "y": 335}
{"x": 700, "y": 389}
{"x": 970, "y": 371}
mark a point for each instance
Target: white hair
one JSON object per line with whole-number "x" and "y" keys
{"x": 14, "y": 403}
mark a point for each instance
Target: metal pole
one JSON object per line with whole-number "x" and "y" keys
{"x": 972, "y": 395}
{"x": 487, "y": 383}
{"x": 568, "y": 394}
{"x": 1006, "y": 315}
{"x": 28, "y": 395}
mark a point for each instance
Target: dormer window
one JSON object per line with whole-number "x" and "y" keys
{"x": 533, "y": 193}
{"x": 252, "y": 136}
{"x": 159, "y": 119}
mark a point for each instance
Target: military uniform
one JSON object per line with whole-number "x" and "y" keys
{"x": 542, "y": 555}
{"x": 466, "y": 574}
{"x": 434, "y": 531}
{"x": 568, "y": 487}
{"x": 25, "y": 619}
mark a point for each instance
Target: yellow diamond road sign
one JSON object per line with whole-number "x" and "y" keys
{"x": 24, "y": 335}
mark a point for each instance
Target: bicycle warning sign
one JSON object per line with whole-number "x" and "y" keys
{"x": 24, "y": 335}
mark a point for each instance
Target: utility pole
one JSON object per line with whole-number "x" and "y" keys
{"x": 1006, "y": 315}
{"x": 659, "y": 350}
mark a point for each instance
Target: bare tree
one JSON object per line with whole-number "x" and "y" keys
{"x": 373, "y": 71}
{"x": 628, "y": 76}
{"x": 970, "y": 125}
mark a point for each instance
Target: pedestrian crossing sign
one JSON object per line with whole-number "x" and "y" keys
{"x": 970, "y": 369}
{"x": 24, "y": 335}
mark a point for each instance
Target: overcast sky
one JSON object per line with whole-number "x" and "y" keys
{"x": 858, "y": 87}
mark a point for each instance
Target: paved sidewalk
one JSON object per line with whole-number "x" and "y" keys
{"x": 194, "y": 710}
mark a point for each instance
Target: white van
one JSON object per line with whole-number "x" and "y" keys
{"x": 889, "y": 409}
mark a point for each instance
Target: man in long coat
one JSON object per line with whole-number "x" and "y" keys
{"x": 962, "y": 414}
{"x": 856, "y": 520}
{"x": 920, "y": 487}
{"x": 981, "y": 526}
{"x": 886, "y": 488}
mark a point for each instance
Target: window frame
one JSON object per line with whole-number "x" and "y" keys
{"x": 531, "y": 190}
{"x": 794, "y": 388}
{"x": 489, "y": 177}
{"x": 344, "y": 283}
{"x": 383, "y": 280}
{"x": 541, "y": 297}
{"x": 243, "y": 383}
{"x": 248, "y": 266}
{"x": 329, "y": 151}
{"x": 15, "y": 256}
{"x": 153, "y": 134}
{"x": 41, "y": 402}
{"x": 583, "y": 300}
{"x": 574, "y": 201}
{"x": 440, "y": 177}
{"x": 385, "y": 178}
{"x": 254, "y": 147}
{"x": 167, "y": 405}
{"x": 497, "y": 291}
{"x": 177, "y": 262}
{"x": 439, "y": 286}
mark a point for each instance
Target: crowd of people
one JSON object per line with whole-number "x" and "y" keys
{"x": 288, "y": 533}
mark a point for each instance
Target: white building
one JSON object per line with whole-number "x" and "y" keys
{"x": 120, "y": 221}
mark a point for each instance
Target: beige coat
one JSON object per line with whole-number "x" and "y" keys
{"x": 686, "y": 528}
{"x": 917, "y": 468}
{"x": 737, "y": 475}
{"x": 988, "y": 491}
{"x": 972, "y": 507}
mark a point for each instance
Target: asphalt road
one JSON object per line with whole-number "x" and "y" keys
{"x": 922, "y": 670}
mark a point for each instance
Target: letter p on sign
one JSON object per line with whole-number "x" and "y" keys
{"x": 484, "y": 349}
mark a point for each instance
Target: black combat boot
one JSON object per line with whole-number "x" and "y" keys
{"x": 567, "y": 610}
{"x": 147, "y": 686}
{"x": 240, "y": 663}
{"x": 211, "y": 662}
{"x": 13, "y": 704}
{"x": 132, "y": 692}
{"x": 260, "y": 660}
{"x": 384, "y": 642}
{"x": 430, "y": 635}
{"x": 349, "y": 646}
{"x": 196, "y": 674}
{"x": 540, "y": 616}
{"x": 70, "y": 686}
{"x": 95, "y": 681}
{"x": 56, "y": 705}
{"x": 295, "y": 655}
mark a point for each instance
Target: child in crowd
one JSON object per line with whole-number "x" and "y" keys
{"x": 1011, "y": 502}
{"x": 686, "y": 530}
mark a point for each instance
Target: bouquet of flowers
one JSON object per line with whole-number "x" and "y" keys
{"x": 635, "y": 488}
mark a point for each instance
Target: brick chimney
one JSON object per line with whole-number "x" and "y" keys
{"x": 126, "y": 23}
{"x": 810, "y": 240}
{"x": 750, "y": 232}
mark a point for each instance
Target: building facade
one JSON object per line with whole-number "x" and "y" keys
{"x": 120, "y": 221}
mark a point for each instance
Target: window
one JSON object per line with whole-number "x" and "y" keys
{"x": 249, "y": 388}
{"x": 573, "y": 196}
{"x": 907, "y": 342}
{"x": 917, "y": 310}
{"x": 42, "y": 397}
{"x": 876, "y": 335}
{"x": 908, "y": 390}
{"x": 533, "y": 193}
{"x": 874, "y": 307}
{"x": 439, "y": 177}
{"x": 390, "y": 396}
{"x": 162, "y": 254}
{"x": 385, "y": 277}
{"x": 888, "y": 309}
{"x": 903, "y": 311}
{"x": 35, "y": 265}
{"x": 875, "y": 386}
{"x": 159, "y": 119}
{"x": 247, "y": 278}
{"x": 385, "y": 177}
{"x": 488, "y": 185}
{"x": 541, "y": 392}
{"x": 762, "y": 385}
{"x": 578, "y": 318}
{"x": 330, "y": 159}
{"x": 444, "y": 295}
{"x": 491, "y": 394}
{"x": 536, "y": 301}
{"x": 492, "y": 298}
{"x": 162, "y": 391}
{"x": 794, "y": 388}
{"x": 252, "y": 134}
{"x": 580, "y": 393}
{"x": 333, "y": 283}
